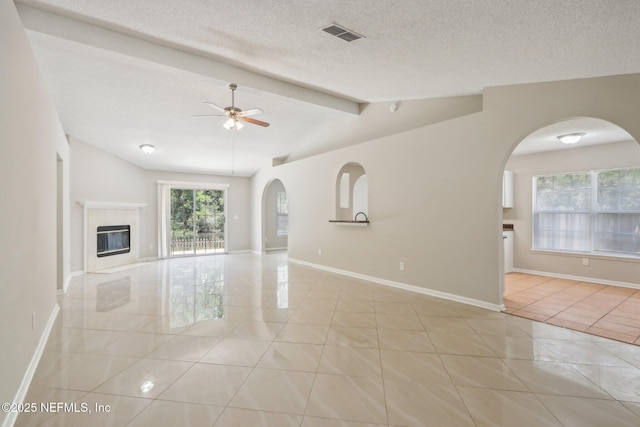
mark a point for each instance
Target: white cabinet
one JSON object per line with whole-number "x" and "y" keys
{"x": 507, "y": 238}
{"x": 507, "y": 189}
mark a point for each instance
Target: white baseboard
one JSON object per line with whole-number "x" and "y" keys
{"x": 65, "y": 287}
{"x": 579, "y": 278}
{"x": 284, "y": 248}
{"x": 404, "y": 286}
{"x": 11, "y": 418}
{"x": 121, "y": 268}
{"x": 148, "y": 259}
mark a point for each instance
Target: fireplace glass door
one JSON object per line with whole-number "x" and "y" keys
{"x": 197, "y": 221}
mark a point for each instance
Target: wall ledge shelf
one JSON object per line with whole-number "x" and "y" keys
{"x": 352, "y": 223}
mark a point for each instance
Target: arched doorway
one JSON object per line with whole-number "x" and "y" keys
{"x": 575, "y": 216}
{"x": 275, "y": 217}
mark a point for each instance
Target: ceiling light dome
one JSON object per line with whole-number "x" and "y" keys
{"x": 571, "y": 138}
{"x": 147, "y": 148}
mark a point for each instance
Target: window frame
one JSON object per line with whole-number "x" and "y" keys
{"x": 594, "y": 212}
{"x": 282, "y": 216}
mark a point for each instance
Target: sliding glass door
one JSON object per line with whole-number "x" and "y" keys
{"x": 197, "y": 221}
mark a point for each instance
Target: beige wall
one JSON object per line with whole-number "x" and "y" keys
{"x": 435, "y": 192}
{"x": 616, "y": 155}
{"x": 31, "y": 139}
{"x": 98, "y": 176}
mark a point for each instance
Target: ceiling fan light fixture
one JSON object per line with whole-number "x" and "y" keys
{"x": 147, "y": 148}
{"x": 571, "y": 138}
{"x": 235, "y": 116}
{"x": 233, "y": 123}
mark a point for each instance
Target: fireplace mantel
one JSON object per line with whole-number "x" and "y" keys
{"x": 111, "y": 205}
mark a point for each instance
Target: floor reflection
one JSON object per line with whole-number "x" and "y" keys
{"x": 113, "y": 294}
{"x": 196, "y": 291}
{"x": 282, "y": 293}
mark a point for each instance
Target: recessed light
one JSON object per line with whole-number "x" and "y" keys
{"x": 571, "y": 138}
{"x": 147, "y": 148}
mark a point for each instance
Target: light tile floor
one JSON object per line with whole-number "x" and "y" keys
{"x": 247, "y": 340}
{"x": 606, "y": 311}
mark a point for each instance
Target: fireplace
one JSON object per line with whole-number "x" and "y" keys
{"x": 104, "y": 237}
{"x": 113, "y": 240}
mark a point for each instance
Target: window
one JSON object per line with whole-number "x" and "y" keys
{"x": 197, "y": 221}
{"x": 282, "y": 214}
{"x": 594, "y": 212}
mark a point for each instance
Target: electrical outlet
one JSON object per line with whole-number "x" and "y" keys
{"x": 585, "y": 261}
{"x": 401, "y": 266}
{"x": 319, "y": 252}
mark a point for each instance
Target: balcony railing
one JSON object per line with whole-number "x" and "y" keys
{"x": 199, "y": 245}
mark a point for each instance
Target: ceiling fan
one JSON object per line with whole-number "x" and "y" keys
{"x": 235, "y": 116}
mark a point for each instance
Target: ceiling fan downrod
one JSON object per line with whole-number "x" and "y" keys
{"x": 233, "y": 88}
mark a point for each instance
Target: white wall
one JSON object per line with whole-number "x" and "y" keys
{"x": 435, "y": 192}
{"x": 31, "y": 138}
{"x": 101, "y": 177}
{"x": 608, "y": 156}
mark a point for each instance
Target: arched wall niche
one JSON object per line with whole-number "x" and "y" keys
{"x": 274, "y": 232}
{"x": 352, "y": 193}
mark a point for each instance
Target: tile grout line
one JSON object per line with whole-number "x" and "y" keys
{"x": 384, "y": 388}
{"x": 315, "y": 374}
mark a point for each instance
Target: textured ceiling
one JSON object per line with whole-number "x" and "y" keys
{"x": 413, "y": 50}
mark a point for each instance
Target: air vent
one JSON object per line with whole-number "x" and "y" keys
{"x": 342, "y": 33}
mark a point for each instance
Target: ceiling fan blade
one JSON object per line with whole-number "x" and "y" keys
{"x": 208, "y": 115}
{"x": 215, "y": 106}
{"x": 251, "y": 112}
{"x": 254, "y": 121}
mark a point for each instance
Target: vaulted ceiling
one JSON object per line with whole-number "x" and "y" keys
{"x": 125, "y": 73}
